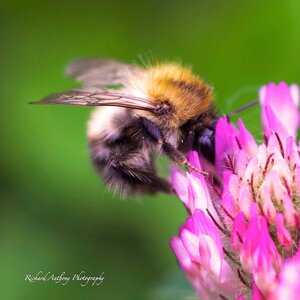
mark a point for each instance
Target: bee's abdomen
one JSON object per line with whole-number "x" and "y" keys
{"x": 126, "y": 165}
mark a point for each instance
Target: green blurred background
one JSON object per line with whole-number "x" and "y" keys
{"x": 55, "y": 214}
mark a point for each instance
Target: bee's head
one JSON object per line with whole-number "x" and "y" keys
{"x": 202, "y": 131}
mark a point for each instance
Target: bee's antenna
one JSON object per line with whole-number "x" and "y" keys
{"x": 233, "y": 113}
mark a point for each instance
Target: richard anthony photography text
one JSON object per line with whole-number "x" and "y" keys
{"x": 64, "y": 279}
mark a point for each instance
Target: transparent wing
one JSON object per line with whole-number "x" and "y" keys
{"x": 100, "y": 72}
{"x": 88, "y": 97}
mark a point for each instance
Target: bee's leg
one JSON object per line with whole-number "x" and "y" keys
{"x": 175, "y": 155}
{"x": 179, "y": 158}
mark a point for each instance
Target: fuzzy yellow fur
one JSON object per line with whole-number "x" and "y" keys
{"x": 187, "y": 93}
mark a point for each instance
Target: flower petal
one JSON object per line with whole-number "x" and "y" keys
{"x": 225, "y": 142}
{"x": 209, "y": 255}
{"x": 256, "y": 295}
{"x": 282, "y": 114}
{"x": 289, "y": 285}
{"x": 205, "y": 226}
{"x": 179, "y": 183}
{"x": 191, "y": 244}
{"x": 238, "y": 231}
{"x": 245, "y": 200}
{"x": 246, "y": 140}
{"x": 283, "y": 235}
{"x": 181, "y": 254}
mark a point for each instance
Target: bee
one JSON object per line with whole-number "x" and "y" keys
{"x": 142, "y": 111}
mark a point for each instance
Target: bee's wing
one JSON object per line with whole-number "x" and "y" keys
{"x": 99, "y": 72}
{"x": 90, "y": 97}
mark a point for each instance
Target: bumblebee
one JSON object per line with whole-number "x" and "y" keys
{"x": 142, "y": 111}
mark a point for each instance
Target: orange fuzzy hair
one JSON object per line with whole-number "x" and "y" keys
{"x": 188, "y": 95}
